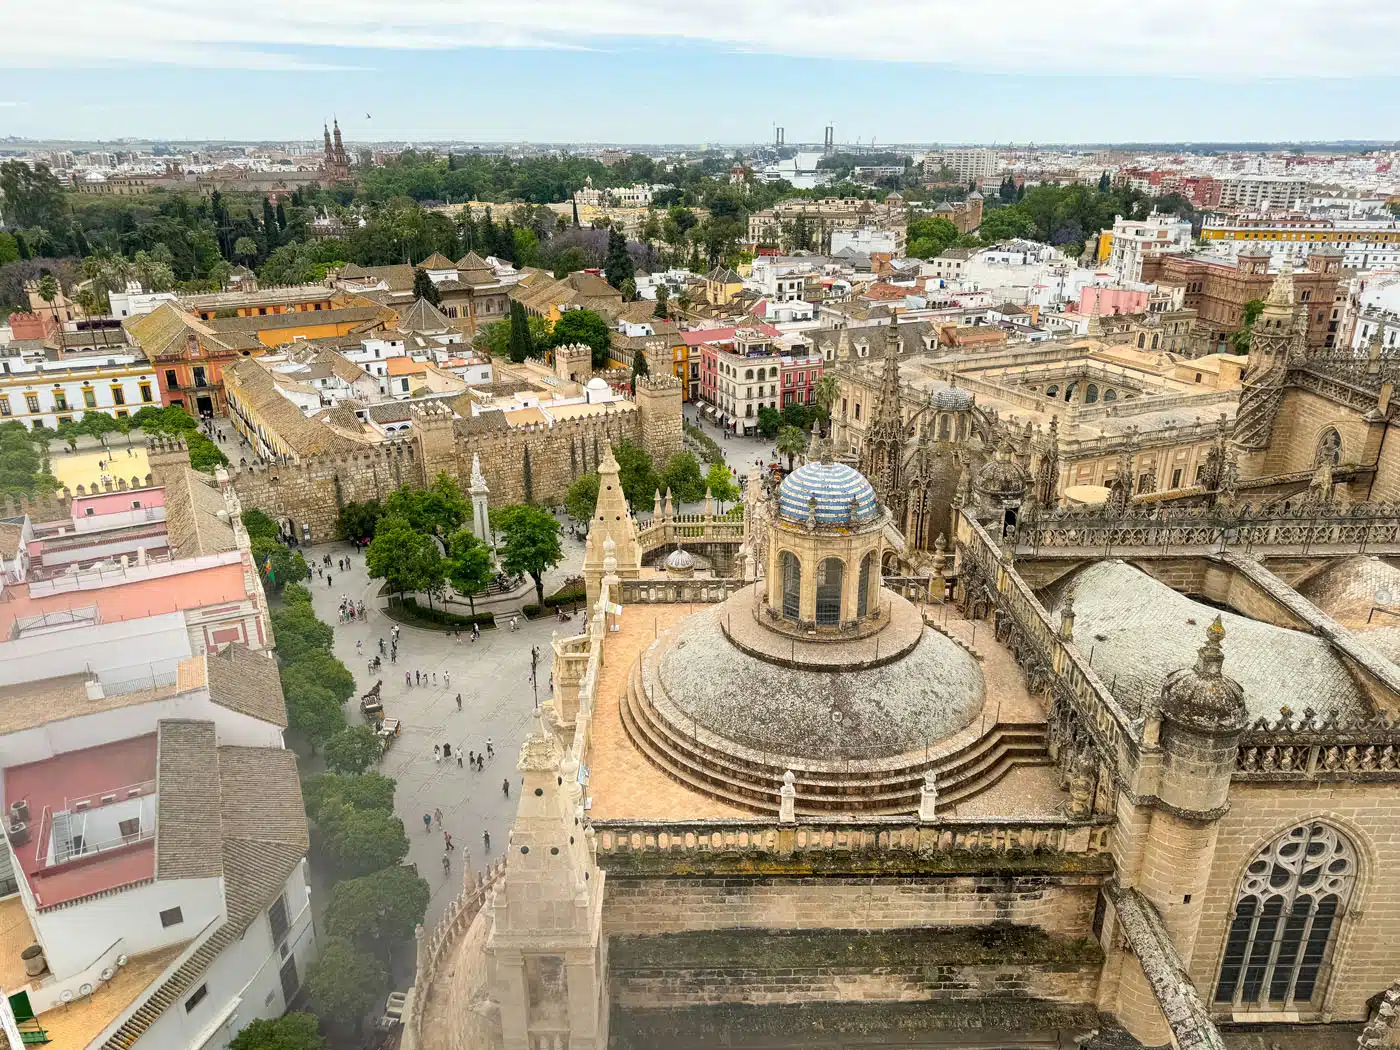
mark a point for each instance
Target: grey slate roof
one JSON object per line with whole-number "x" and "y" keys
{"x": 246, "y": 681}
{"x": 1139, "y": 630}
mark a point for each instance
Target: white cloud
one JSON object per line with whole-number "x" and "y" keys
{"x": 1230, "y": 38}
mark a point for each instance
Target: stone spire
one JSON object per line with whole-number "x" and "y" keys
{"x": 1281, "y": 292}
{"x": 612, "y": 520}
{"x": 1204, "y": 697}
{"x": 1272, "y": 343}
{"x": 882, "y": 454}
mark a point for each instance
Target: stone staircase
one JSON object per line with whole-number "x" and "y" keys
{"x": 752, "y": 782}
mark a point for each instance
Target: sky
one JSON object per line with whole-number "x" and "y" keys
{"x": 698, "y": 71}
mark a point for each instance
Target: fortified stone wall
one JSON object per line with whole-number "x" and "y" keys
{"x": 1364, "y": 962}
{"x": 526, "y": 464}
{"x": 1061, "y": 905}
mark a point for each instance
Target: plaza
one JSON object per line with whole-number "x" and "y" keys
{"x": 498, "y": 704}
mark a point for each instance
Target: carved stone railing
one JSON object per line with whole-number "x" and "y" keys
{"x": 1052, "y": 664}
{"x": 915, "y": 588}
{"x": 1309, "y": 748}
{"x": 689, "y": 528}
{"x": 433, "y": 944}
{"x": 1345, "y": 380}
{"x": 1298, "y": 528}
{"x": 857, "y": 844}
{"x": 648, "y": 592}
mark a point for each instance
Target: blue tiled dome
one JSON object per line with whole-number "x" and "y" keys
{"x": 834, "y": 485}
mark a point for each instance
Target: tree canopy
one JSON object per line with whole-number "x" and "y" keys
{"x": 582, "y": 497}
{"x": 468, "y": 565}
{"x": 531, "y": 542}
{"x": 298, "y": 1031}
{"x": 584, "y": 326}
{"x": 345, "y": 982}
{"x": 378, "y": 910}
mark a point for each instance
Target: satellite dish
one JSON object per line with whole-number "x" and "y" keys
{"x": 66, "y": 995}
{"x": 122, "y": 960}
{"x": 108, "y": 973}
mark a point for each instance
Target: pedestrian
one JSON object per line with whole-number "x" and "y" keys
{"x": 459, "y": 701}
{"x": 476, "y": 631}
{"x": 486, "y": 841}
{"x": 459, "y": 757}
{"x": 427, "y": 822}
{"x": 437, "y": 752}
{"x": 446, "y": 864}
{"x": 434, "y": 678}
{"x": 515, "y": 623}
{"x": 447, "y": 840}
{"x": 407, "y": 681}
{"x": 471, "y": 757}
{"x": 328, "y": 579}
{"x": 447, "y": 679}
{"x": 505, "y": 787}
{"x": 446, "y": 750}
{"x": 437, "y": 816}
{"x": 417, "y": 677}
{"x": 358, "y": 650}
{"x": 490, "y": 751}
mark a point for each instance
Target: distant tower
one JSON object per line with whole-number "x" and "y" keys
{"x": 335, "y": 164}
{"x": 829, "y": 146}
{"x": 326, "y": 133}
{"x": 777, "y": 138}
{"x": 882, "y": 451}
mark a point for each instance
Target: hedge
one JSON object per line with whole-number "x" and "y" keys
{"x": 446, "y": 619}
{"x": 571, "y": 596}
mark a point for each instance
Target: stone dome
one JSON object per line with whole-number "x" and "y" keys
{"x": 596, "y": 383}
{"x": 1204, "y": 696}
{"x": 839, "y": 494}
{"x": 951, "y": 399}
{"x": 680, "y": 562}
{"x": 1001, "y": 475}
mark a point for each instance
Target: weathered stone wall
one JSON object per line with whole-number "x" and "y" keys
{"x": 768, "y": 966}
{"x": 1303, "y": 417}
{"x": 1364, "y": 961}
{"x": 535, "y": 464}
{"x": 1061, "y": 905}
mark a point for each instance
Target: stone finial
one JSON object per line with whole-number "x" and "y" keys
{"x": 656, "y": 505}
{"x": 609, "y": 556}
{"x": 1204, "y": 695}
{"x": 940, "y": 554}
{"x": 928, "y": 796}
{"x": 1067, "y": 617}
{"x": 812, "y": 511}
{"x": 787, "y": 799}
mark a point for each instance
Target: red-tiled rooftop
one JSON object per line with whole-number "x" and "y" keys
{"x": 132, "y": 601}
{"x": 54, "y": 783}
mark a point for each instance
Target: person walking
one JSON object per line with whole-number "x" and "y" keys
{"x": 515, "y": 623}
{"x": 486, "y": 841}
{"x": 446, "y": 864}
{"x": 459, "y": 701}
{"x": 447, "y": 751}
{"x": 427, "y": 822}
{"x": 505, "y": 787}
{"x": 490, "y": 751}
{"x": 447, "y": 840}
{"x": 459, "y": 758}
{"x": 407, "y": 678}
{"x": 437, "y": 752}
{"x": 437, "y": 816}
{"x": 447, "y": 679}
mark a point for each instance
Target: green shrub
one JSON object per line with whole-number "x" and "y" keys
{"x": 531, "y": 611}
{"x": 566, "y": 596}
{"x": 447, "y": 619}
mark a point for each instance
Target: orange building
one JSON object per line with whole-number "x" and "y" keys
{"x": 188, "y": 357}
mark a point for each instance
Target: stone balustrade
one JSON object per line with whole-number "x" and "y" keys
{"x": 432, "y": 944}
{"x": 852, "y": 844}
{"x": 648, "y": 592}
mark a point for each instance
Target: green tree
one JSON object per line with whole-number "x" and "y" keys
{"x": 299, "y": 632}
{"x": 260, "y": 525}
{"x": 352, "y": 749}
{"x": 296, "y": 594}
{"x": 582, "y": 497}
{"x": 635, "y": 471}
{"x": 1104, "y": 184}
{"x": 791, "y": 443}
{"x": 204, "y": 454}
{"x": 584, "y": 326}
{"x": 639, "y": 366}
{"x": 359, "y": 841}
{"x": 396, "y": 555}
{"x": 33, "y": 196}
{"x": 930, "y": 237}
{"x": 438, "y": 510}
{"x": 520, "y": 343}
{"x": 312, "y": 710}
{"x": 299, "y": 1031}
{"x": 663, "y": 295}
{"x": 423, "y": 287}
{"x": 366, "y": 791}
{"x": 1241, "y": 337}
{"x": 98, "y": 425}
{"x": 770, "y": 421}
{"x": 721, "y": 484}
{"x": 277, "y": 565}
{"x": 531, "y": 542}
{"x": 357, "y": 521}
{"x": 378, "y": 912}
{"x": 682, "y": 478}
{"x": 9, "y": 250}
{"x": 22, "y": 468}
{"x": 246, "y": 250}
{"x": 70, "y": 433}
{"x": 325, "y": 670}
{"x": 345, "y": 983}
{"x": 468, "y": 565}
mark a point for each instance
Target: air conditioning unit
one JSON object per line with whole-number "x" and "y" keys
{"x": 18, "y": 833}
{"x": 19, "y": 811}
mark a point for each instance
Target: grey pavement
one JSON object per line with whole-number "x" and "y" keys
{"x": 739, "y": 452}
{"x": 498, "y": 704}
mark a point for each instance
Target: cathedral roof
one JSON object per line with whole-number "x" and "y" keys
{"x": 951, "y": 399}
{"x": 829, "y": 489}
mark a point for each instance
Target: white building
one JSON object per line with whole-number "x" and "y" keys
{"x": 133, "y": 301}
{"x": 154, "y": 870}
{"x": 866, "y": 240}
{"x": 1255, "y": 192}
{"x": 1133, "y": 240}
{"x": 748, "y": 378}
{"x": 975, "y": 164}
{"x": 38, "y": 387}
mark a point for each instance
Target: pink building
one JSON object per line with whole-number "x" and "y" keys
{"x": 799, "y": 379}
{"x": 1094, "y": 299}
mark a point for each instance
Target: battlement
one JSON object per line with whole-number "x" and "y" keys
{"x": 345, "y": 462}
{"x": 659, "y": 383}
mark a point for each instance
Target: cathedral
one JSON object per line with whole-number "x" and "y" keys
{"x": 334, "y": 162}
{"x": 922, "y": 753}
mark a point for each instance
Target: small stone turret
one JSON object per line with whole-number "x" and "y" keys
{"x": 612, "y": 520}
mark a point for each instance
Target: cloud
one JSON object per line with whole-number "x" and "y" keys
{"x": 9, "y": 105}
{"x": 1218, "y": 38}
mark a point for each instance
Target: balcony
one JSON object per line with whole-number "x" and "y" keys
{"x": 96, "y": 823}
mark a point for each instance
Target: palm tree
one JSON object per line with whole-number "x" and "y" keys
{"x": 791, "y": 442}
{"x": 49, "y": 290}
{"x": 827, "y": 391}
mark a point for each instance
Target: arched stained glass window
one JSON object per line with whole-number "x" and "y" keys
{"x": 1285, "y": 922}
{"x": 792, "y": 585}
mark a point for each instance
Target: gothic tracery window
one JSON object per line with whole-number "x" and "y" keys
{"x": 1285, "y": 920}
{"x": 1329, "y": 447}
